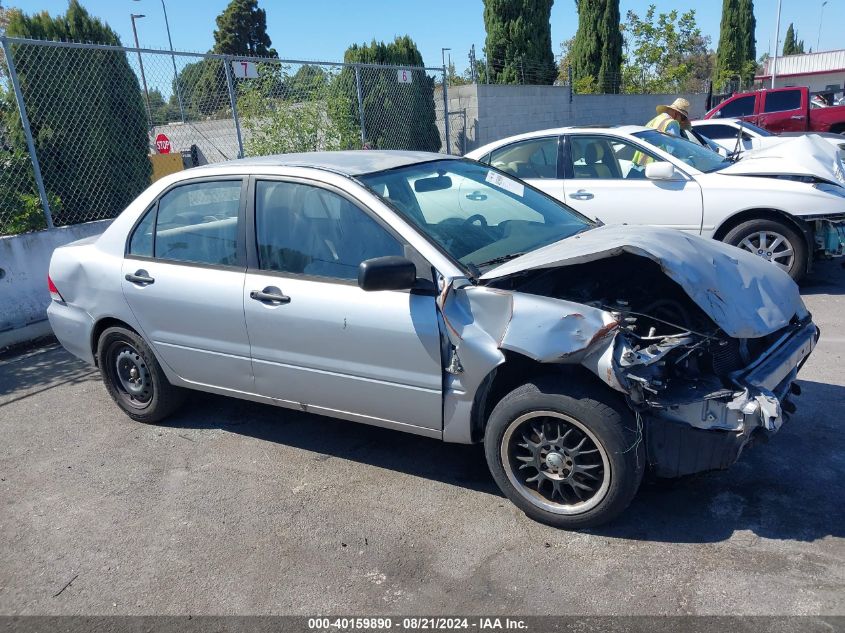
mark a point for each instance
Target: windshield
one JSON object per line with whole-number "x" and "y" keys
{"x": 693, "y": 155}
{"x": 478, "y": 215}
{"x": 757, "y": 130}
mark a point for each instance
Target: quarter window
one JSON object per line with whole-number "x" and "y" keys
{"x": 535, "y": 158}
{"x": 199, "y": 223}
{"x": 308, "y": 230}
{"x": 782, "y": 100}
{"x": 141, "y": 243}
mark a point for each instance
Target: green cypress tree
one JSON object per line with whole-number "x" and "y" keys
{"x": 737, "y": 52}
{"x": 789, "y": 45}
{"x": 519, "y": 41}
{"x": 86, "y": 112}
{"x": 596, "y": 55}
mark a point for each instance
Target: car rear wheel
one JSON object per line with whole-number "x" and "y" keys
{"x": 567, "y": 455}
{"x": 774, "y": 241}
{"x": 133, "y": 377}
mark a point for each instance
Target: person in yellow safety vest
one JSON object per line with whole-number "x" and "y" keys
{"x": 670, "y": 119}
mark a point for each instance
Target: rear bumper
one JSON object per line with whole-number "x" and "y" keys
{"x": 708, "y": 432}
{"x": 73, "y": 327}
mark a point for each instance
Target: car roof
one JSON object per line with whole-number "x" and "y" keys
{"x": 350, "y": 162}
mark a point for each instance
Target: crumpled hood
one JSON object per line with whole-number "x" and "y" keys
{"x": 745, "y": 295}
{"x": 808, "y": 155}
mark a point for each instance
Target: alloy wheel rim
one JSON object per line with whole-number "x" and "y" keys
{"x": 555, "y": 462}
{"x": 133, "y": 376}
{"x": 771, "y": 246}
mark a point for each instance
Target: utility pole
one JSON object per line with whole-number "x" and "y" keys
{"x": 135, "y": 16}
{"x": 777, "y": 42}
{"x": 473, "y": 75}
{"x": 173, "y": 59}
{"x": 446, "y": 68}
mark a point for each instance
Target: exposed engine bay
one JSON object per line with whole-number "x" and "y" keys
{"x": 700, "y": 392}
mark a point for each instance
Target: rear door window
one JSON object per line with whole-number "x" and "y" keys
{"x": 199, "y": 223}
{"x": 534, "y": 158}
{"x": 782, "y": 100}
{"x": 742, "y": 106}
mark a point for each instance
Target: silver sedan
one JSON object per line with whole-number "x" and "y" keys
{"x": 441, "y": 297}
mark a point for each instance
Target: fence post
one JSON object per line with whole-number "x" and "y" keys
{"x": 227, "y": 64}
{"x": 359, "y": 91}
{"x": 36, "y": 168}
{"x": 446, "y": 113}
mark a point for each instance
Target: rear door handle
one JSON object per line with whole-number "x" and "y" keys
{"x": 581, "y": 195}
{"x": 271, "y": 295}
{"x": 140, "y": 277}
{"x": 797, "y": 117}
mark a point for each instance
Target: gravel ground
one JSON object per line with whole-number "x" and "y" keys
{"x": 239, "y": 508}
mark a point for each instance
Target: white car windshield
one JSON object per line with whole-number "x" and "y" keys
{"x": 693, "y": 155}
{"x": 480, "y": 216}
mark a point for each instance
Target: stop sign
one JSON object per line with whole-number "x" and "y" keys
{"x": 162, "y": 144}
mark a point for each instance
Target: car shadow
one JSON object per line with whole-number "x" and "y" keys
{"x": 28, "y": 374}
{"x": 787, "y": 489}
{"x": 827, "y": 278}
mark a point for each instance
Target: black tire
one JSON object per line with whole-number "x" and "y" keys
{"x": 133, "y": 377}
{"x": 592, "y": 413}
{"x": 744, "y": 236}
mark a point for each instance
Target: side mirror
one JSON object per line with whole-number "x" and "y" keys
{"x": 659, "y": 171}
{"x": 386, "y": 273}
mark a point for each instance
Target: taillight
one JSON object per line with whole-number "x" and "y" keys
{"x": 54, "y": 292}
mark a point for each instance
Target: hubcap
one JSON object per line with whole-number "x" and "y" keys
{"x": 555, "y": 462}
{"x": 771, "y": 246}
{"x": 132, "y": 375}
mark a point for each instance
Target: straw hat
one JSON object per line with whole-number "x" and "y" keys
{"x": 679, "y": 105}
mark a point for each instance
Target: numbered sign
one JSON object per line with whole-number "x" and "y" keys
{"x": 244, "y": 70}
{"x": 405, "y": 76}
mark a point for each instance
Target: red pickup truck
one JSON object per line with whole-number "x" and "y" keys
{"x": 781, "y": 110}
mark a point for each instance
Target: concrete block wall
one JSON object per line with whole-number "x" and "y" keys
{"x": 24, "y": 261}
{"x": 498, "y": 111}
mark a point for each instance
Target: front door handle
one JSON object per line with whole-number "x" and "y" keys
{"x": 797, "y": 117}
{"x": 140, "y": 277}
{"x": 271, "y": 295}
{"x": 581, "y": 194}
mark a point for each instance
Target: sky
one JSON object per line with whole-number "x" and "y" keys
{"x": 321, "y": 30}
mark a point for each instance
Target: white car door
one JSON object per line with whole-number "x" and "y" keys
{"x": 535, "y": 160}
{"x": 318, "y": 340}
{"x": 605, "y": 179}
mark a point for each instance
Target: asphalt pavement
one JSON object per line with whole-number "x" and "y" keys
{"x": 240, "y": 508}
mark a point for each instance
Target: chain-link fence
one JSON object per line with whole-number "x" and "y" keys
{"x": 85, "y": 128}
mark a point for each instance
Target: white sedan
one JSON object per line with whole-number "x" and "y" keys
{"x": 636, "y": 175}
{"x": 736, "y": 135}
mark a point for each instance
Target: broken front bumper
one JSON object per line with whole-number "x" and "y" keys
{"x": 704, "y": 426}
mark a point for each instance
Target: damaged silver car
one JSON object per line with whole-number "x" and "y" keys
{"x": 438, "y": 296}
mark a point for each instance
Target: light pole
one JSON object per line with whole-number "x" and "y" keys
{"x": 135, "y": 16}
{"x": 172, "y": 59}
{"x": 821, "y": 15}
{"x": 775, "y": 58}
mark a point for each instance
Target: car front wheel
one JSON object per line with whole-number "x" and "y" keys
{"x": 133, "y": 377}
{"x": 774, "y": 241}
{"x": 566, "y": 454}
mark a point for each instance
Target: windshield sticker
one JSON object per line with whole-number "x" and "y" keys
{"x": 503, "y": 182}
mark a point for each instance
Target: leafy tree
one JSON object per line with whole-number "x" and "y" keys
{"x": 736, "y": 55}
{"x": 791, "y": 45}
{"x": 519, "y": 41}
{"x": 665, "y": 53}
{"x": 396, "y": 115}
{"x": 86, "y": 112}
{"x": 242, "y": 30}
{"x": 597, "y": 49}
{"x": 163, "y": 111}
